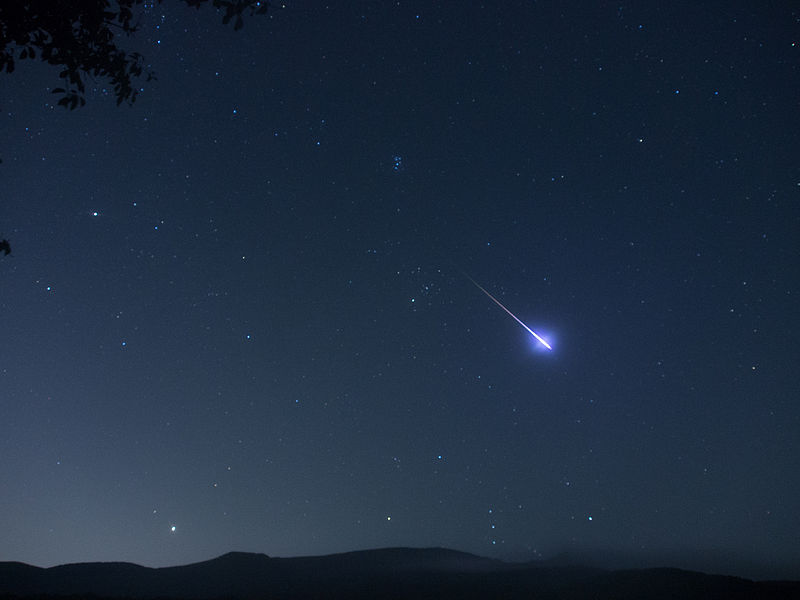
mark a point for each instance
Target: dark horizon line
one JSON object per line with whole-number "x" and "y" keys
{"x": 718, "y": 562}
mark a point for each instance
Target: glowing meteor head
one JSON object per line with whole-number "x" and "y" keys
{"x": 542, "y": 342}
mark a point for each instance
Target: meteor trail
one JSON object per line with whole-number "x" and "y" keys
{"x": 496, "y": 301}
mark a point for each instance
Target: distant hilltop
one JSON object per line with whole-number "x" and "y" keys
{"x": 396, "y": 573}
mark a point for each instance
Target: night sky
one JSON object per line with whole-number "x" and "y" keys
{"x": 238, "y": 315}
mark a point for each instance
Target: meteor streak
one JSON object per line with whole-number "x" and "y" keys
{"x": 496, "y": 301}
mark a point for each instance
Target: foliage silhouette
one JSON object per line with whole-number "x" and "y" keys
{"x": 82, "y": 37}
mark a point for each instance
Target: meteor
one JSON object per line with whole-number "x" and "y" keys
{"x": 540, "y": 339}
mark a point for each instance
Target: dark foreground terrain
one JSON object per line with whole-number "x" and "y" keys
{"x": 390, "y": 573}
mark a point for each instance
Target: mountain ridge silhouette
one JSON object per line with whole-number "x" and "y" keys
{"x": 381, "y": 573}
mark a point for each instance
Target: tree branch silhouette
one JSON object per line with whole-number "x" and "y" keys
{"x": 82, "y": 36}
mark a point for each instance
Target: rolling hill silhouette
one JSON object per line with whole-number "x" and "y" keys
{"x": 394, "y": 573}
